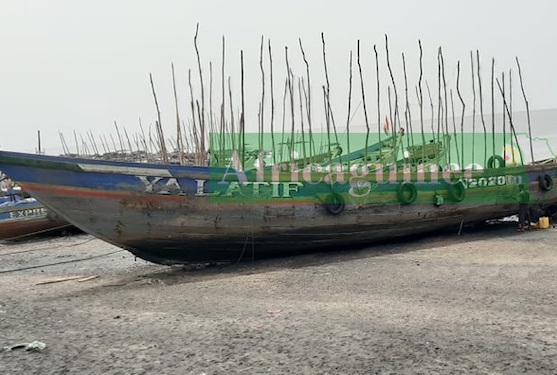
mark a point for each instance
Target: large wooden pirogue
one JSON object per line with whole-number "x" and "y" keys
{"x": 178, "y": 214}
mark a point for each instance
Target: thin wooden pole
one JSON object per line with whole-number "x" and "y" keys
{"x": 291, "y": 96}
{"x": 349, "y": 104}
{"x": 527, "y": 110}
{"x": 363, "y": 96}
{"x": 262, "y": 106}
{"x": 504, "y": 125}
{"x": 378, "y": 86}
{"x": 329, "y": 109}
{"x": 179, "y": 144}
{"x": 439, "y": 100}
{"x": 473, "y": 107}
{"x": 122, "y": 148}
{"x": 158, "y": 124}
{"x": 202, "y": 112}
{"x": 454, "y": 129}
{"x": 513, "y": 130}
{"x": 242, "y": 117}
{"x": 446, "y": 104}
{"x": 232, "y": 128}
{"x": 222, "y": 138}
{"x": 272, "y": 103}
{"x": 194, "y": 132}
{"x": 461, "y": 114}
{"x": 76, "y": 143}
{"x": 493, "y": 106}
{"x": 481, "y": 107}
{"x": 407, "y": 111}
{"x": 421, "y": 96}
{"x": 308, "y": 100}
{"x": 394, "y": 127}
{"x": 304, "y": 155}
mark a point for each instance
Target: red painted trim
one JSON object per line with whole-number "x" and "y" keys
{"x": 86, "y": 192}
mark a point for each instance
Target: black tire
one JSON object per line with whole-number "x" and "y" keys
{"x": 337, "y": 151}
{"x": 495, "y": 161}
{"x": 457, "y": 192}
{"x": 407, "y": 193}
{"x": 334, "y": 204}
{"x": 545, "y": 182}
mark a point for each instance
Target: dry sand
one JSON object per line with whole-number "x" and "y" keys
{"x": 480, "y": 303}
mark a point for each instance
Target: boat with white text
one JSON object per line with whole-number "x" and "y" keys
{"x": 230, "y": 195}
{"x": 179, "y": 214}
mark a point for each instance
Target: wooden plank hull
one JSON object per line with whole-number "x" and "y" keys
{"x": 166, "y": 215}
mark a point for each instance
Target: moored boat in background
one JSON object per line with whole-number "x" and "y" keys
{"x": 27, "y": 217}
{"x": 23, "y": 216}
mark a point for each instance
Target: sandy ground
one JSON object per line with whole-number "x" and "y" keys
{"x": 484, "y": 302}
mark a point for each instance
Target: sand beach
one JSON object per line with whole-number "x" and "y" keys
{"x": 483, "y": 302}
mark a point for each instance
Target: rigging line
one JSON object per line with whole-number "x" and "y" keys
{"x": 36, "y": 233}
{"x": 48, "y": 248}
{"x": 252, "y": 243}
{"x": 244, "y": 249}
{"x": 58, "y": 263}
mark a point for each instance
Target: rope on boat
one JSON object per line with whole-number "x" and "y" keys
{"x": 246, "y": 244}
{"x": 460, "y": 229}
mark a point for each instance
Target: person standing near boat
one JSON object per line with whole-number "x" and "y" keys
{"x": 523, "y": 198}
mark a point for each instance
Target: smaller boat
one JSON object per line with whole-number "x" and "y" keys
{"x": 22, "y": 216}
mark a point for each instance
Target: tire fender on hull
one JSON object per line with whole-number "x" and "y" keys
{"x": 334, "y": 204}
{"x": 457, "y": 192}
{"x": 407, "y": 193}
{"x": 545, "y": 182}
{"x": 495, "y": 161}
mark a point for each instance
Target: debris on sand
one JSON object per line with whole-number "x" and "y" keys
{"x": 35, "y": 346}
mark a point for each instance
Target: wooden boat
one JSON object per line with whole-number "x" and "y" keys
{"x": 22, "y": 215}
{"x": 233, "y": 205}
{"x": 172, "y": 214}
{"x": 27, "y": 217}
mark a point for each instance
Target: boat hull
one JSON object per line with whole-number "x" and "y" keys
{"x": 172, "y": 232}
{"x": 139, "y": 208}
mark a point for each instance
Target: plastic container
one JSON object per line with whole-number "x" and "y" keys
{"x": 544, "y": 222}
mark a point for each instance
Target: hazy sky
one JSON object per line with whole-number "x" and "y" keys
{"x": 83, "y": 64}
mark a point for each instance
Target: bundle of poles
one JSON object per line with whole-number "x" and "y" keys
{"x": 190, "y": 143}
